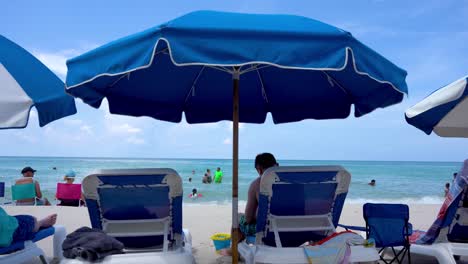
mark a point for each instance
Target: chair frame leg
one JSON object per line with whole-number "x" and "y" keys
{"x": 399, "y": 257}
{"x": 43, "y": 259}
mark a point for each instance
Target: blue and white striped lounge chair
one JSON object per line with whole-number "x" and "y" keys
{"x": 142, "y": 208}
{"x": 24, "y": 251}
{"x": 296, "y": 205}
{"x": 447, "y": 238}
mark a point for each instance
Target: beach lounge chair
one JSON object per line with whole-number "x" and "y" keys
{"x": 71, "y": 193}
{"x": 2, "y": 189}
{"x": 23, "y": 251}
{"x": 296, "y": 205}
{"x": 388, "y": 225}
{"x": 142, "y": 208}
{"x": 3, "y": 200}
{"x": 24, "y": 191}
{"x": 448, "y": 235}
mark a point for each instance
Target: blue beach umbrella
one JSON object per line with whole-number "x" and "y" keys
{"x": 445, "y": 111}
{"x": 26, "y": 82}
{"x": 215, "y": 66}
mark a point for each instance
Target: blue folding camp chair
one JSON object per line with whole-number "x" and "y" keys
{"x": 388, "y": 225}
{"x": 142, "y": 208}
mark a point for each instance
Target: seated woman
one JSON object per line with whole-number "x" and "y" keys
{"x": 69, "y": 178}
{"x": 21, "y": 227}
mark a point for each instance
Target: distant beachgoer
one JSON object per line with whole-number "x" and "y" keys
{"x": 21, "y": 227}
{"x": 54, "y": 168}
{"x": 372, "y": 183}
{"x": 193, "y": 175}
{"x": 28, "y": 174}
{"x": 247, "y": 221}
{"x": 218, "y": 178}
{"x": 447, "y": 189}
{"x": 455, "y": 174}
{"x": 69, "y": 178}
{"x": 207, "y": 177}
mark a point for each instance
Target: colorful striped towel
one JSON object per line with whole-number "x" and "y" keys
{"x": 458, "y": 186}
{"x": 334, "y": 249}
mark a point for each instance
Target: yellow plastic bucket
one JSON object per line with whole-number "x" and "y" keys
{"x": 221, "y": 241}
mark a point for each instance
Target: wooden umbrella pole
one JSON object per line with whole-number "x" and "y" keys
{"x": 235, "y": 165}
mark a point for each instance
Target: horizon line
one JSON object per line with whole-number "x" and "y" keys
{"x": 207, "y": 158}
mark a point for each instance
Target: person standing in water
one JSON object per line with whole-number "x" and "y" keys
{"x": 190, "y": 177}
{"x": 218, "y": 178}
{"x": 447, "y": 189}
{"x": 207, "y": 177}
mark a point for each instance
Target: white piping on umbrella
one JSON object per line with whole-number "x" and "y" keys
{"x": 235, "y": 65}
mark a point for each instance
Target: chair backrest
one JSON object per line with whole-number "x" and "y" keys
{"x": 454, "y": 208}
{"x": 458, "y": 210}
{"x": 68, "y": 191}
{"x": 23, "y": 191}
{"x": 387, "y": 224}
{"x": 139, "y": 196}
{"x": 2, "y": 189}
{"x": 300, "y": 191}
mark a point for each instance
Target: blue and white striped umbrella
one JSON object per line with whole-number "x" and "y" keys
{"x": 445, "y": 111}
{"x": 26, "y": 82}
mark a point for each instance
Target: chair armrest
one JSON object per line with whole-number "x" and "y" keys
{"x": 410, "y": 229}
{"x": 348, "y": 227}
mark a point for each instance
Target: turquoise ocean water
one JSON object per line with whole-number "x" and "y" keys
{"x": 407, "y": 182}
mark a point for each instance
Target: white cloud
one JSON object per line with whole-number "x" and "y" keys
{"x": 26, "y": 137}
{"x": 227, "y": 141}
{"x": 73, "y": 122}
{"x": 86, "y": 129}
{"x": 124, "y": 129}
{"x": 135, "y": 140}
{"x": 56, "y": 61}
{"x": 33, "y": 114}
{"x": 230, "y": 125}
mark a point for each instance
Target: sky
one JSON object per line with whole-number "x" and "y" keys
{"x": 426, "y": 38}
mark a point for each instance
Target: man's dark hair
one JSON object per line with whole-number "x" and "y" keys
{"x": 265, "y": 161}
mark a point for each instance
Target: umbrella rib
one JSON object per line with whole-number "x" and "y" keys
{"x": 192, "y": 89}
{"x": 255, "y": 68}
{"x": 261, "y": 83}
{"x": 333, "y": 81}
{"x": 120, "y": 78}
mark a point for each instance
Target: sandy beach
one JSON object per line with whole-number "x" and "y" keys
{"x": 205, "y": 220}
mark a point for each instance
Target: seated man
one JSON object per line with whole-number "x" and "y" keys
{"x": 248, "y": 221}
{"x": 21, "y": 227}
{"x": 28, "y": 174}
